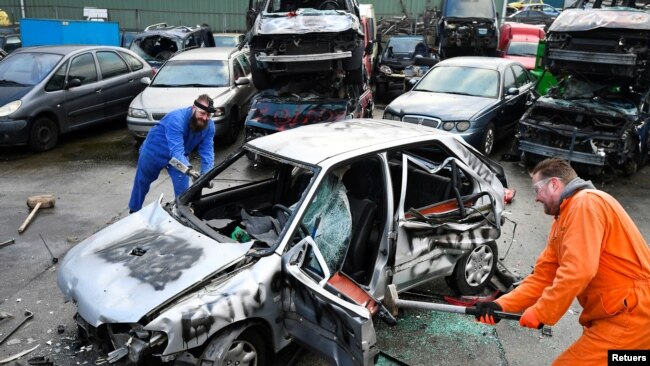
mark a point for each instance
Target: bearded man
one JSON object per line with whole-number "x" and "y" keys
{"x": 176, "y": 136}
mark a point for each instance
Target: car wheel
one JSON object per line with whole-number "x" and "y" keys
{"x": 474, "y": 270}
{"x": 44, "y": 134}
{"x": 487, "y": 141}
{"x": 236, "y": 346}
{"x": 260, "y": 78}
{"x": 233, "y": 129}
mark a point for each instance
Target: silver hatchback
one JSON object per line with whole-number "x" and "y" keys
{"x": 221, "y": 73}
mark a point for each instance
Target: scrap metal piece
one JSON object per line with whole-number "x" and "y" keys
{"x": 18, "y": 355}
{"x": 118, "y": 354}
{"x": 8, "y": 242}
{"x": 54, "y": 259}
{"x": 28, "y": 315}
{"x": 547, "y": 331}
{"x": 40, "y": 360}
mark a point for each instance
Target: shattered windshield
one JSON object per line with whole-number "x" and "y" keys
{"x": 469, "y": 9}
{"x": 192, "y": 73}
{"x": 461, "y": 80}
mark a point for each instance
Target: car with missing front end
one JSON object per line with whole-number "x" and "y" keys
{"x": 467, "y": 28}
{"x": 253, "y": 257}
{"x": 307, "y": 37}
{"x": 598, "y": 116}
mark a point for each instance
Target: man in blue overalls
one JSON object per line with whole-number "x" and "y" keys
{"x": 176, "y": 136}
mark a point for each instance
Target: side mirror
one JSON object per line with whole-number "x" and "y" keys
{"x": 242, "y": 81}
{"x": 512, "y": 91}
{"x": 145, "y": 80}
{"x": 73, "y": 83}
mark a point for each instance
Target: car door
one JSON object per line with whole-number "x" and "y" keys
{"x": 339, "y": 330}
{"x": 242, "y": 68}
{"x": 513, "y": 106}
{"x": 84, "y": 103}
{"x": 119, "y": 84}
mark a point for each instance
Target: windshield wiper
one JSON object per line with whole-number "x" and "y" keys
{"x": 457, "y": 93}
{"x": 11, "y": 82}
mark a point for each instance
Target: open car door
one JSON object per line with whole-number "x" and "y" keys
{"x": 339, "y": 330}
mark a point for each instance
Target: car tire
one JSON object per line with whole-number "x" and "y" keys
{"x": 474, "y": 269}
{"x": 260, "y": 78}
{"x": 236, "y": 346}
{"x": 487, "y": 140}
{"x": 233, "y": 129}
{"x": 44, "y": 134}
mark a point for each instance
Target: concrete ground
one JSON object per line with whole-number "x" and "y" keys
{"x": 91, "y": 174}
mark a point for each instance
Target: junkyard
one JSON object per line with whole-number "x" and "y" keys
{"x": 341, "y": 223}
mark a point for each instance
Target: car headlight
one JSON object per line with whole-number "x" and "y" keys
{"x": 460, "y": 125}
{"x": 137, "y": 113}
{"x": 385, "y": 69}
{"x": 390, "y": 116}
{"x": 10, "y": 108}
{"x": 219, "y": 111}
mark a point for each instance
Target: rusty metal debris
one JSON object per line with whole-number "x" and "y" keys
{"x": 28, "y": 315}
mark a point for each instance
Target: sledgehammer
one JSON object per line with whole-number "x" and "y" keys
{"x": 392, "y": 303}
{"x": 36, "y": 202}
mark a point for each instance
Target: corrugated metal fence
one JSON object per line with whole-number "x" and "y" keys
{"x": 221, "y": 15}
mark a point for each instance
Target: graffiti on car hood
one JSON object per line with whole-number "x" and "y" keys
{"x": 283, "y": 113}
{"x": 126, "y": 270}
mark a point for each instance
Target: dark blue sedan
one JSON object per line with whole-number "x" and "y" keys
{"x": 478, "y": 98}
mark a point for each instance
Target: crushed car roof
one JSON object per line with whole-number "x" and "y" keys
{"x": 573, "y": 20}
{"x": 313, "y": 144}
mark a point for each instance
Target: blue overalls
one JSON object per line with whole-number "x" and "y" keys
{"x": 172, "y": 137}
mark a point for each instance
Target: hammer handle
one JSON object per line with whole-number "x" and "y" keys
{"x": 29, "y": 218}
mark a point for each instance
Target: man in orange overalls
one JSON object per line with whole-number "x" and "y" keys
{"x": 594, "y": 252}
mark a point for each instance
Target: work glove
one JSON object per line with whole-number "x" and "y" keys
{"x": 529, "y": 320}
{"x": 486, "y": 312}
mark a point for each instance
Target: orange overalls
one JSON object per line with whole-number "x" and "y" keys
{"x": 596, "y": 253}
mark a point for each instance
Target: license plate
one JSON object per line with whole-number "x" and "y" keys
{"x": 482, "y": 31}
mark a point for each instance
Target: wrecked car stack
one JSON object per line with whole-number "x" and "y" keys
{"x": 598, "y": 115}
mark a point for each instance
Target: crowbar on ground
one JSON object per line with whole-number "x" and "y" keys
{"x": 28, "y": 315}
{"x": 7, "y": 242}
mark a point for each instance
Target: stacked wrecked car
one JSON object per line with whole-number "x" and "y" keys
{"x": 307, "y": 62}
{"x": 598, "y": 115}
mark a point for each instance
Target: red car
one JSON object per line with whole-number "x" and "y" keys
{"x": 519, "y": 42}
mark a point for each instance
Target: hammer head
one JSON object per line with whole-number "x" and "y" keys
{"x": 46, "y": 200}
{"x": 390, "y": 299}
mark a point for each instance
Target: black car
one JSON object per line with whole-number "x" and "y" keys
{"x": 467, "y": 28}
{"x": 398, "y": 53}
{"x": 160, "y": 41}
{"x": 479, "y": 98}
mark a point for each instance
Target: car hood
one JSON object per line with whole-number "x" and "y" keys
{"x": 125, "y": 271}
{"x": 277, "y": 113}
{"x": 307, "y": 21}
{"x": 167, "y": 99}
{"x": 11, "y": 93}
{"x": 601, "y": 107}
{"x": 447, "y": 107}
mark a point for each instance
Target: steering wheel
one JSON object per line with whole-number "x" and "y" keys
{"x": 282, "y": 213}
{"x": 330, "y": 5}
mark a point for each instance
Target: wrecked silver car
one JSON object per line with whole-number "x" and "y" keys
{"x": 253, "y": 257}
{"x": 599, "y": 115}
{"x": 293, "y": 37}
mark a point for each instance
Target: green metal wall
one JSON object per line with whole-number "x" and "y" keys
{"x": 221, "y": 15}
